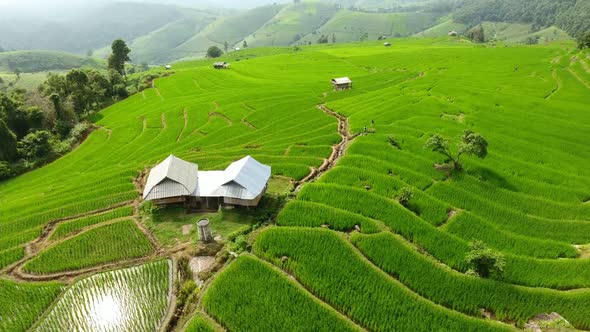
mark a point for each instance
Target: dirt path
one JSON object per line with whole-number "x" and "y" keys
{"x": 223, "y": 116}
{"x": 557, "y": 88}
{"x": 163, "y": 119}
{"x": 337, "y": 151}
{"x": 185, "y": 115}
{"x": 157, "y": 91}
{"x": 249, "y": 124}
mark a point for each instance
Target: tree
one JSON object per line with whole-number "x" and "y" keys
{"x": 476, "y": 34}
{"x": 245, "y": 44}
{"x": 119, "y": 55}
{"x": 584, "y": 41}
{"x": 333, "y": 38}
{"x": 225, "y": 46}
{"x": 35, "y": 145}
{"x": 17, "y": 73}
{"x": 323, "y": 40}
{"x": 214, "y": 52}
{"x": 484, "y": 261}
{"x": 471, "y": 144}
{"x": 8, "y": 150}
{"x": 89, "y": 53}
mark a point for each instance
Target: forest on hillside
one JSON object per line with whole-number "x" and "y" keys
{"x": 573, "y": 16}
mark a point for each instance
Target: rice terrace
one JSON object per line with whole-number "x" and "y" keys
{"x": 432, "y": 184}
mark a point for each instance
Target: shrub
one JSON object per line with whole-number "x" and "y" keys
{"x": 485, "y": 261}
{"x": 405, "y": 196}
{"x": 214, "y": 52}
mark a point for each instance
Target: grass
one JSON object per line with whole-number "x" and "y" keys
{"x": 67, "y": 228}
{"x": 327, "y": 266}
{"x": 21, "y": 303}
{"x": 105, "y": 244}
{"x": 115, "y": 301}
{"x": 274, "y": 302}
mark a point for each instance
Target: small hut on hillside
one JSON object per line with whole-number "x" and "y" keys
{"x": 243, "y": 183}
{"x": 387, "y": 44}
{"x": 341, "y": 83}
{"x": 221, "y": 65}
{"x": 453, "y": 33}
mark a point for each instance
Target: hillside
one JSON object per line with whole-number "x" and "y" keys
{"x": 332, "y": 245}
{"x": 37, "y": 61}
{"x": 88, "y": 30}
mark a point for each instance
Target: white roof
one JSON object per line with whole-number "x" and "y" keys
{"x": 171, "y": 178}
{"x": 243, "y": 179}
{"x": 342, "y": 80}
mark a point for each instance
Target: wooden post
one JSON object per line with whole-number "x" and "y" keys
{"x": 204, "y": 230}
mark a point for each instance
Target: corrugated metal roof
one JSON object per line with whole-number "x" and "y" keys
{"x": 341, "y": 80}
{"x": 171, "y": 178}
{"x": 243, "y": 179}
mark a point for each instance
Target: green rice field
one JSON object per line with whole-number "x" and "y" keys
{"x": 343, "y": 253}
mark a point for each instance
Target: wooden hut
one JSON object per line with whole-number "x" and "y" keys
{"x": 221, "y": 65}
{"x": 386, "y": 44}
{"x": 342, "y": 83}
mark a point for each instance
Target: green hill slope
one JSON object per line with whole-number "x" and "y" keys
{"x": 344, "y": 249}
{"x": 36, "y": 61}
{"x": 298, "y": 19}
{"x": 232, "y": 29}
{"x": 350, "y": 26}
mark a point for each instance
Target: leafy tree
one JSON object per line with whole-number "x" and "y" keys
{"x": 17, "y": 72}
{"x": 89, "y": 53}
{"x": 35, "y": 145}
{"x": 333, "y": 38}
{"x": 8, "y": 149}
{"x": 364, "y": 36}
{"x": 584, "y": 41}
{"x": 245, "y": 44}
{"x": 323, "y": 40}
{"x": 144, "y": 66}
{"x": 485, "y": 262}
{"x": 471, "y": 144}
{"x": 476, "y": 34}
{"x": 214, "y": 52}
{"x": 225, "y": 46}
{"x": 119, "y": 55}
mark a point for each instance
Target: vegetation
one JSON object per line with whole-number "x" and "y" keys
{"x": 38, "y": 61}
{"x": 117, "y": 301}
{"x": 471, "y": 144}
{"x": 484, "y": 261}
{"x": 584, "y": 41}
{"x": 105, "y": 244}
{"x": 67, "y": 228}
{"x": 324, "y": 264}
{"x": 274, "y": 302}
{"x": 21, "y": 304}
{"x": 214, "y": 52}
{"x": 118, "y": 57}
{"x": 570, "y": 15}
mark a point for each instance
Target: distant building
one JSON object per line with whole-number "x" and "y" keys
{"x": 168, "y": 67}
{"x": 174, "y": 180}
{"x": 221, "y": 65}
{"x": 341, "y": 83}
{"x": 453, "y": 33}
{"x": 386, "y": 44}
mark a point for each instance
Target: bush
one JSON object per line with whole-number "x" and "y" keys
{"x": 484, "y": 261}
{"x": 405, "y": 196}
{"x": 6, "y": 171}
{"x": 240, "y": 244}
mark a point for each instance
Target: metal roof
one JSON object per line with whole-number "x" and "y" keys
{"x": 242, "y": 179}
{"x": 341, "y": 80}
{"x": 171, "y": 178}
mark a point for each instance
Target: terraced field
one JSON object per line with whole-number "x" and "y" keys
{"x": 344, "y": 254}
